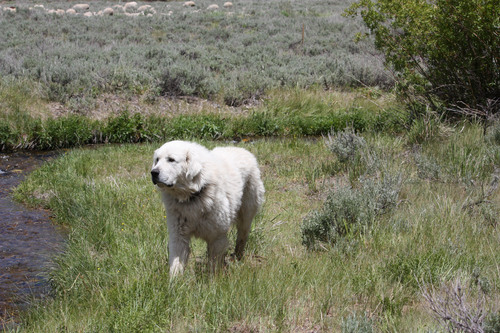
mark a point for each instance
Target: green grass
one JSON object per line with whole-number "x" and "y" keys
{"x": 114, "y": 276}
{"x": 284, "y": 113}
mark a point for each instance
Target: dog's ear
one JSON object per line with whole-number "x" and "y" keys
{"x": 193, "y": 166}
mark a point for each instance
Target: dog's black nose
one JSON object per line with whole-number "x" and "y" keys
{"x": 155, "y": 173}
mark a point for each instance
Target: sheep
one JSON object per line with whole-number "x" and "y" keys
{"x": 213, "y": 7}
{"x": 189, "y": 4}
{"x": 146, "y": 9}
{"x": 71, "y": 11}
{"x": 119, "y": 8}
{"x": 130, "y": 5}
{"x": 10, "y": 9}
{"x": 88, "y": 14}
{"x": 143, "y": 8}
{"x": 228, "y": 4}
{"x": 108, "y": 11}
{"x": 81, "y": 6}
{"x": 60, "y": 12}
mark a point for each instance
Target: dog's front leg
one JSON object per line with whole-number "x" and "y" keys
{"x": 178, "y": 253}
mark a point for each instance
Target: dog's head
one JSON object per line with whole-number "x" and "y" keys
{"x": 177, "y": 166}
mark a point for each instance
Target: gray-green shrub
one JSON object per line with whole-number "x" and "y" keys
{"x": 345, "y": 145}
{"x": 350, "y": 211}
{"x": 357, "y": 324}
{"x": 493, "y": 134}
{"x": 492, "y": 323}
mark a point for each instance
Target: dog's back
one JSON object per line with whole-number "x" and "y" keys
{"x": 239, "y": 158}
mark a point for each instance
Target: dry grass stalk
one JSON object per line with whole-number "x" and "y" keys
{"x": 455, "y": 307}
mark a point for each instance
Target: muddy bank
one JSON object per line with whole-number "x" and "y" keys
{"x": 28, "y": 240}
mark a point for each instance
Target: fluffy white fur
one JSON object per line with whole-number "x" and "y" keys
{"x": 204, "y": 193}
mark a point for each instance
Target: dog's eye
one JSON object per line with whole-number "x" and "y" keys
{"x": 170, "y": 159}
{"x": 156, "y": 160}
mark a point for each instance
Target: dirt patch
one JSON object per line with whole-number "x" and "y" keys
{"x": 107, "y": 105}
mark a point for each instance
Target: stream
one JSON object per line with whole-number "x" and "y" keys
{"x": 28, "y": 240}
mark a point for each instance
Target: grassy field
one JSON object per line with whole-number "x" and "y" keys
{"x": 443, "y": 229}
{"x": 367, "y": 229}
{"x": 230, "y": 55}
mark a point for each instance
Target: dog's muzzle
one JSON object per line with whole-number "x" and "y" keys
{"x": 155, "y": 174}
{"x": 155, "y": 177}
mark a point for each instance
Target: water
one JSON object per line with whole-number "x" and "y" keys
{"x": 28, "y": 240}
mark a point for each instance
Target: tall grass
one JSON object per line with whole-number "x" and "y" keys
{"x": 294, "y": 113}
{"x": 113, "y": 275}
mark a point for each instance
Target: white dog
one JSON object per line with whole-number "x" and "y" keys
{"x": 204, "y": 193}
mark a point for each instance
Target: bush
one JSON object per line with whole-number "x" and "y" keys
{"x": 459, "y": 307}
{"x": 492, "y": 323}
{"x": 186, "y": 81}
{"x": 350, "y": 211}
{"x": 427, "y": 167}
{"x": 493, "y": 134}
{"x": 345, "y": 210}
{"x": 345, "y": 145}
{"x": 357, "y": 324}
{"x": 443, "y": 51}
{"x": 384, "y": 193}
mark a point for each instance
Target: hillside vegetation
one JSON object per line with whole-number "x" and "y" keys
{"x": 59, "y": 74}
{"x": 233, "y": 55}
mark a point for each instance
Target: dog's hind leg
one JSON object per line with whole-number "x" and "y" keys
{"x": 241, "y": 240}
{"x": 244, "y": 225}
{"x": 252, "y": 199}
{"x": 216, "y": 250}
